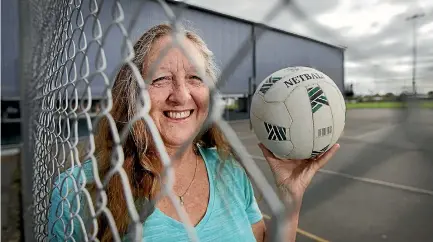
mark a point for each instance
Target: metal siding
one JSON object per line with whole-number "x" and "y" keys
{"x": 329, "y": 61}
{"x": 274, "y": 50}
{"x": 10, "y": 49}
{"x": 223, "y": 37}
{"x": 277, "y": 50}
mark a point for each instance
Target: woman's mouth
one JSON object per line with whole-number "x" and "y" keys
{"x": 178, "y": 115}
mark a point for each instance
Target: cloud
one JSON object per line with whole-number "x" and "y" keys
{"x": 361, "y": 20}
{"x": 426, "y": 29}
{"x": 378, "y": 37}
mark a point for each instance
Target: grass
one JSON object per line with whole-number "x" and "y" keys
{"x": 427, "y": 104}
{"x": 233, "y": 106}
{"x": 424, "y": 104}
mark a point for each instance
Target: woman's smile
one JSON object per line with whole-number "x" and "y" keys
{"x": 177, "y": 116}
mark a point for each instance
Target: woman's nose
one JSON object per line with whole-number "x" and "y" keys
{"x": 180, "y": 92}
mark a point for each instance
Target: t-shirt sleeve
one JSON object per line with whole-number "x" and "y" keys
{"x": 252, "y": 208}
{"x": 63, "y": 203}
{"x": 58, "y": 213}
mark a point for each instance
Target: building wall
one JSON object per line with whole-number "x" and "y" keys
{"x": 224, "y": 36}
{"x": 9, "y": 49}
{"x": 276, "y": 50}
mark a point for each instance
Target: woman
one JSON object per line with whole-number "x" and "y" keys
{"x": 209, "y": 183}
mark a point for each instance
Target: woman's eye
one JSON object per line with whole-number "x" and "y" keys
{"x": 161, "y": 79}
{"x": 196, "y": 78}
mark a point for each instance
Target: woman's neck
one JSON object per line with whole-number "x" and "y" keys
{"x": 186, "y": 157}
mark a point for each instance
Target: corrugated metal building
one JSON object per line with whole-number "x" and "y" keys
{"x": 224, "y": 34}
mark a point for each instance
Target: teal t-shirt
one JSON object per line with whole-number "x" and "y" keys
{"x": 231, "y": 211}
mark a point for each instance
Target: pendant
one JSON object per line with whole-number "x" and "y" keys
{"x": 181, "y": 200}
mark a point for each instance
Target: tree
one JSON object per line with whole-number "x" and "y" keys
{"x": 349, "y": 91}
{"x": 402, "y": 97}
{"x": 430, "y": 94}
{"x": 389, "y": 96}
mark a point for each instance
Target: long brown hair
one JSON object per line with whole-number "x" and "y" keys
{"x": 141, "y": 160}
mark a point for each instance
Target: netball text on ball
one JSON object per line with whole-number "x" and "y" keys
{"x": 304, "y": 77}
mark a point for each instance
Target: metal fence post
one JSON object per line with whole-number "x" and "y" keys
{"x": 26, "y": 163}
{"x": 249, "y": 100}
{"x": 252, "y": 80}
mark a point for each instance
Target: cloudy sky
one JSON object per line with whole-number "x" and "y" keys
{"x": 377, "y": 36}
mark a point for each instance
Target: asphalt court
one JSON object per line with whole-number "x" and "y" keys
{"x": 378, "y": 187}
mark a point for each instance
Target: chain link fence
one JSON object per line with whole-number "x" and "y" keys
{"x": 69, "y": 58}
{"x": 67, "y": 63}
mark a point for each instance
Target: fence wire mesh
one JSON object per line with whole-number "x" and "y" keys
{"x": 71, "y": 66}
{"x": 63, "y": 68}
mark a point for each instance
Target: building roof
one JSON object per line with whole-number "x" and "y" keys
{"x": 213, "y": 12}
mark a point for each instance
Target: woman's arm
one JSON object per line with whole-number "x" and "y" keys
{"x": 292, "y": 178}
{"x": 259, "y": 229}
{"x": 290, "y": 228}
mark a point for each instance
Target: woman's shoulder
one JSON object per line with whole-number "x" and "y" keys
{"x": 65, "y": 196}
{"x": 76, "y": 175}
{"x": 228, "y": 166}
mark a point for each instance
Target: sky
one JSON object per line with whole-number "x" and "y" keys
{"x": 377, "y": 36}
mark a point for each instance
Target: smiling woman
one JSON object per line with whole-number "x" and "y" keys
{"x": 178, "y": 95}
{"x": 219, "y": 200}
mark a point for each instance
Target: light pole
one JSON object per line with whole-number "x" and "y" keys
{"x": 414, "y": 19}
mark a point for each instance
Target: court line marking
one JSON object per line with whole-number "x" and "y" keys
{"x": 351, "y": 138}
{"x": 311, "y": 236}
{"x": 303, "y": 232}
{"x": 266, "y": 216}
{"x": 247, "y": 136}
{"x": 376, "y": 131}
{"x": 10, "y": 151}
{"x": 379, "y": 182}
{"x": 238, "y": 121}
{"x": 369, "y": 180}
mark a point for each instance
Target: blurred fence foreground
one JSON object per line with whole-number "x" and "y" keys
{"x": 67, "y": 60}
{"x": 70, "y": 53}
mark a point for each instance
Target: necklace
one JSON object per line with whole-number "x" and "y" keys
{"x": 181, "y": 196}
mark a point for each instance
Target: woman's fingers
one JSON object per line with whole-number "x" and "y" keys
{"x": 317, "y": 163}
{"x": 267, "y": 153}
{"x": 278, "y": 163}
{"x": 325, "y": 157}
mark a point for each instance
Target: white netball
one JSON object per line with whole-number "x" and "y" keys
{"x": 298, "y": 113}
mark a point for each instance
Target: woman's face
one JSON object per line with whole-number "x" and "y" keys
{"x": 179, "y": 97}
